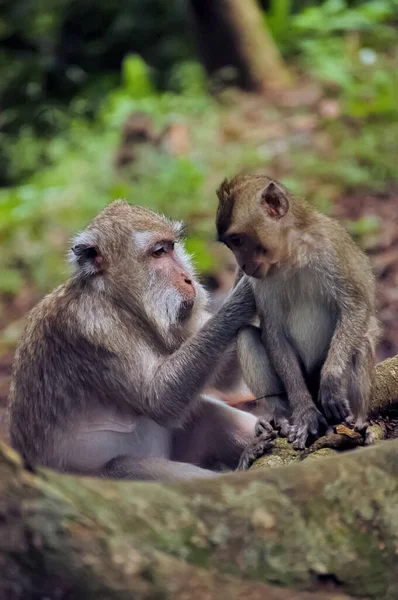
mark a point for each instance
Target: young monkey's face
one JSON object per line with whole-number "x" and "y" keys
{"x": 252, "y": 257}
{"x": 249, "y": 222}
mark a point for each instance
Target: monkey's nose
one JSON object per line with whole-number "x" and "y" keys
{"x": 188, "y": 281}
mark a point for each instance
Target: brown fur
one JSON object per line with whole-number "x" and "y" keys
{"x": 315, "y": 294}
{"x": 113, "y": 362}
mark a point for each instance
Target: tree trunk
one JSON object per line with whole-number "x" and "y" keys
{"x": 329, "y": 527}
{"x": 233, "y": 33}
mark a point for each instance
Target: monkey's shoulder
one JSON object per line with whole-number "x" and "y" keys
{"x": 347, "y": 265}
{"x": 338, "y": 242}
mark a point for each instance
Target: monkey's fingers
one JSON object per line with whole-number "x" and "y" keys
{"x": 300, "y": 440}
{"x": 303, "y": 438}
{"x": 309, "y": 424}
{"x": 282, "y": 426}
{"x": 334, "y": 407}
{"x": 263, "y": 428}
{"x": 291, "y": 434}
{"x": 368, "y": 433}
{"x": 258, "y": 448}
{"x": 298, "y": 436}
{"x": 349, "y": 421}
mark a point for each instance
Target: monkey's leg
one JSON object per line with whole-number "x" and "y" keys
{"x": 351, "y": 330}
{"x": 216, "y": 433}
{"x": 360, "y": 385}
{"x": 152, "y": 469}
{"x": 263, "y": 441}
{"x": 261, "y": 378}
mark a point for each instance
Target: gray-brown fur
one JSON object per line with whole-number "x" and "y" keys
{"x": 315, "y": 296}
{"x": 113, "y": 362}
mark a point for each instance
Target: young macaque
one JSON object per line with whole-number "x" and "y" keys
{"x": 109, "y": 374}
{"x": 313, "y": 355}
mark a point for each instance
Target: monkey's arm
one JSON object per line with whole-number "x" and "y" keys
{"x": 348, "y": 335}
{"x": 306, "y": 418}
{"x": 228, "y": 372}
{"x": 182, "y": 376}
{"x": 260, "y": 376}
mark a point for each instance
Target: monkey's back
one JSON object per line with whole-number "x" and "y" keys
{"x": 56, "y": 370}
{"x": 354, "y": 269}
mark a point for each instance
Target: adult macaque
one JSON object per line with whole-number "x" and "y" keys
{"x": 315, "y": 295}
{"x": 108, "y": 376}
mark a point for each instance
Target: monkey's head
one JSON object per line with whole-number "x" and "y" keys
{"x": 137, "y": 257}
{"x": 253, "y": 220}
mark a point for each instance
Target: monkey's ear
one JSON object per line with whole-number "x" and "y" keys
{"x": 224, "y": 210}
{"x": 275, "y": 200}
{"x": 223, "y": 192}
{"x": 87, "y": 257}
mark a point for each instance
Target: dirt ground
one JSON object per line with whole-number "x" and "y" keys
{"x": 383, "y": 252}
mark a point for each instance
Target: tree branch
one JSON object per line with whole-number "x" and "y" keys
{"x": 328, "y": 527}
{"x": 385, "y": 389}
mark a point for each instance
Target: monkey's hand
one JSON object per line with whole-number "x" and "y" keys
{"x": 282, "y": 426}
{"x": 242, "y": 299}
{"x": 276, "y": 413}
{"x": 306, "y": 423}
{"x": 262, "y": 443}
{"x": 332, "y": 401}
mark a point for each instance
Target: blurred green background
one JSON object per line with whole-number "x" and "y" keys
{"x": 158, "y": 101}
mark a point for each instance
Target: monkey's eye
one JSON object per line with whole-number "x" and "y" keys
{"x": 162, "y": 248}
{"x": 159, "y": 251}
{"x": 236, "y": 241}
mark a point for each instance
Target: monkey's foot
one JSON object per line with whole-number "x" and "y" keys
{"x": 307, "y": 424}
{"x": 262, "y": 443}
{"x": 332, "y": 402}
{"x": 349, "y": 421}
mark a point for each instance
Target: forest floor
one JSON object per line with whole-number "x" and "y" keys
{"x": 382, "y": 246}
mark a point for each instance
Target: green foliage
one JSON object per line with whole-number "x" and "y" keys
{"x": 354, "y": 50}
{"x": 364, "y": 226}
{"x": 135, "y": 78}
{"x": 278, "y": 19}
{"x": 334, "y": 16}
{"x": 55, "y": 51}
{"x": 38, "y": 217}
{"x": 60, "y": 123}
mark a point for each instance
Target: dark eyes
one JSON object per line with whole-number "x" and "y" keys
{"x": 236, "y": 241}
{"x": 162, "y": 248}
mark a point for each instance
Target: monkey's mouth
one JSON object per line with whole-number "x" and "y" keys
{"x": 254, "y": 271}
{"x": 185, "y": 309}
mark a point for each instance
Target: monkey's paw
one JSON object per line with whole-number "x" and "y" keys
{"x": 333, "y": 403}
{"x": 262, "y": 443}
{"x": 282, "y": 425}
{"x": 307, "y": 424}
